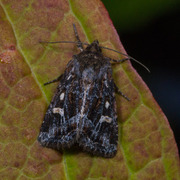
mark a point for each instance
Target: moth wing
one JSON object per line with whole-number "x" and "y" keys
{"x": 100, "y": 131}
{"x": 58, "y": 130}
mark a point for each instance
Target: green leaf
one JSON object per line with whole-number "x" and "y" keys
{"x": 147, "y": 149}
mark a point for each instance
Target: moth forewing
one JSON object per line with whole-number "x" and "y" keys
{"x": 83, "y": 110}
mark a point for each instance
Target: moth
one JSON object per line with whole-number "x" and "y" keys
{"x": 83, "y": 109}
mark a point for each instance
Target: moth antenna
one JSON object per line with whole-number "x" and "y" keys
{"x": 79, "y": 44}
{"x": 126, "y": 56}
{"x": 75, "y": 42}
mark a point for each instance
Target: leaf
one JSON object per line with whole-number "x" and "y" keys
{"x": 147, "y": 149}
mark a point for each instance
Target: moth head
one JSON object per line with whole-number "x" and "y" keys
{"x": 94, "y": 46}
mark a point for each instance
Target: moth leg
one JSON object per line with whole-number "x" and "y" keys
{"x": 120, "y": 60}
{"x": 117, "y": 90}
{"x": 79, "y": 44}
{"x": 55, "y": 80}
{"x": 117, "y": 61}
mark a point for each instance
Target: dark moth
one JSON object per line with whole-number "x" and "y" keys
{"x": 83, "y": 109}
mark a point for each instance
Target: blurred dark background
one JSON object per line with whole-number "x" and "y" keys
{"x": 150, "y": 32}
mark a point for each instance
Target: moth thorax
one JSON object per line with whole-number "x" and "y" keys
{"x": 88, "y": 76}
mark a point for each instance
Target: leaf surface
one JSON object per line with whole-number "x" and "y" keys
{"x": 146, "y": 150}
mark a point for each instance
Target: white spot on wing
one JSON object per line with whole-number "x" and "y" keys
{"x": 107, "y": 104}
{"x": 58, "y": 111}
{"x": 106, "y": 84}
{"x": 105, "y": 119}
{"x": 62, "y": 96}
{"x": 69, "y": 77}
